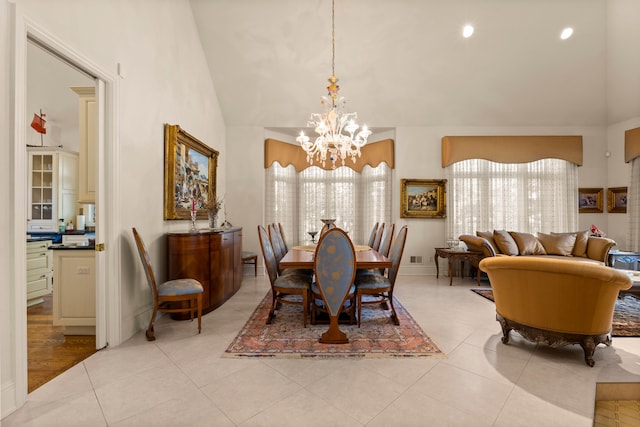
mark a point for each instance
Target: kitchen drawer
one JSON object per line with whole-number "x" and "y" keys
{"x": 38, "y": 247}
{"x": 36, "y": 263}
{"x": 38, "y": 285}
{"x": 38, "y": 273}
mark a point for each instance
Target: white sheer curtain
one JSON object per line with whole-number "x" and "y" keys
{"x": 300, "y": 200}
{"x": 527, "y": 197}
{"x": 281, "y": 184}
{"x": 633, "y": 205}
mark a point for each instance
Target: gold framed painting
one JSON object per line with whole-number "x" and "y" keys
{"x": 423, "y": 198}
{"x": 190, "y": 169}
{"x": 590, "y": 200}
{"x": 617, "y": 200}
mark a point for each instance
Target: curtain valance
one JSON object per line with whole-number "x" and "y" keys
{"x": 631, "y": 144}
{"x": 287, "y": 154}
{"x": 511, "y": 149}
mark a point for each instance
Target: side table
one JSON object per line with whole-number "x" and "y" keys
{"x": 631, "y": 259}
{"x": 455, "y": 256}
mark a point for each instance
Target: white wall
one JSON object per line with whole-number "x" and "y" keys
{"x": 165, "y": 80}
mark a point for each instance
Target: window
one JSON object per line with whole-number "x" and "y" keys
{"x": 527, "y": 197}
{"x": 300, "y": 200}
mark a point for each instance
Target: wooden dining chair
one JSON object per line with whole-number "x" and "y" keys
{"x": 276, "y": 241}
{"x": 372, "y": 236}
{"x": 378, "y": 239}
{"x": 385, "y": 240}
{"x": 170, "y": 296}
{"x": 380, "y": 287}
{"x": 290, "y": 288}
{"x": 284, "y": 240}
{"x": 334, "y": 267}
{"x": 385, "y": 245}
{"x": 280, "y": 250}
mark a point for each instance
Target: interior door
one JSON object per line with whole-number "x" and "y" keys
{"x": 101, "y": 215}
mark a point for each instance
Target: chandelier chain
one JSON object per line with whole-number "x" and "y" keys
{"x": 333, "y": 37}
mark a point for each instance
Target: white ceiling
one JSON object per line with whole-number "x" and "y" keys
{"x": 405, "y": 63}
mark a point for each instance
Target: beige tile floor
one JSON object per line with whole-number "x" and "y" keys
{"x": 181, "y": 380}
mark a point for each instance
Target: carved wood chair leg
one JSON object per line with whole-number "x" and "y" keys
{"x": 150, "y": 334}
{"x": 359, "y": 296}
{"x": 394, "y": 316}
{"x": 199, "y": 302}
{"x": 305, "y": 308}
{"x": 589, "y": 347}
{"x": 505, "y": 329}
{"x": 274, "y": 302}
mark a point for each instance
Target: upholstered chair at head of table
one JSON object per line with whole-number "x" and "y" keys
{"x": 289, "y": 288}
{"x": 334, "y": 267}
{"x": 169, "y": 296}
{"x": 381, "y": 287}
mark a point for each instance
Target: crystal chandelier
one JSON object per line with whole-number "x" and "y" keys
{"x": 338, "y": 135}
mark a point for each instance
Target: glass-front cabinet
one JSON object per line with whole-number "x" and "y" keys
{"x": 53, "y": 188}
{"x": 41, "y": 187}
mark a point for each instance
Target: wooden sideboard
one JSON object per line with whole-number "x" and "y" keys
{"x": 212, "y": 257}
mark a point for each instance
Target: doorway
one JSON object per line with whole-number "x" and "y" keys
{"x": 52, "y": 98}
{"x": 106, "y": 264}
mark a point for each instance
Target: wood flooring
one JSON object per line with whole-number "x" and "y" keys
{"x": 49, "y": 351}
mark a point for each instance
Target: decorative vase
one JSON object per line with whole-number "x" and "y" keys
{"x": 213, "y": 220}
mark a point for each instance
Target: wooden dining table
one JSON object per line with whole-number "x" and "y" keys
{"x": 303, "y": 257}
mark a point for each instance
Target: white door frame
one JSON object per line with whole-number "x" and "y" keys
{"x": 108, "y": 317}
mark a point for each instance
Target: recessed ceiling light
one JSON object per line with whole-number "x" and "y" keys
{"x": 566, "y": 33}
{"x": 467, "y": 31}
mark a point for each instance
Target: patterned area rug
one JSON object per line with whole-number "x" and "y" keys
{"x": 626, "y": 315}
{"x": 285, "y": 337}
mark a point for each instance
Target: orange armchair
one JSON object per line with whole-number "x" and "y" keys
{"x": 556, "y": 302}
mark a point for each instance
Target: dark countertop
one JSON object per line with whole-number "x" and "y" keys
{"x": 56, "y": 237}
{"x": 38, "y": 239}
{"x": 74, "y": 246}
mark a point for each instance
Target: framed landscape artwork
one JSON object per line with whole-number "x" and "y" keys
{"x": 590, "y": 200}
{"x": 617, "y": 200}
{"x": 423, "y": 198}
{"x": 189, "y": 174}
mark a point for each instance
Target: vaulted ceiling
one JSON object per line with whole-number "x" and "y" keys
{"x": 405, "y": 62}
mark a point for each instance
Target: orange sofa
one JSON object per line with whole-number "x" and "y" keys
{"x": 556, "y": 302}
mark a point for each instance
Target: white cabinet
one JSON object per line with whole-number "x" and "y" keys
{"x": 39, "y": 271}
{"x": 88, "y": 125}
{"x": 74, "y": 291}
{"x": 53, "y": 188}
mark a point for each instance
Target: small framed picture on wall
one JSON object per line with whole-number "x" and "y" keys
{"x": 617, "y": 200}
{"x": 590, "y": 200}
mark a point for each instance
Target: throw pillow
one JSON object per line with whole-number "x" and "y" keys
{"x": 505, "y": 242}
{"x": 528, "y": 244}
{"x": 489, "y": 236}
{"x": 582, "y": 238}
{"x": 558, "y": 244}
